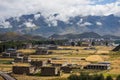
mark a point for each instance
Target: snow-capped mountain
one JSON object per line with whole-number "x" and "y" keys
{"x": 46, "y": 26}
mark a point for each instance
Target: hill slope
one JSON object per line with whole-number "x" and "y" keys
{"x": 15, "y": 36}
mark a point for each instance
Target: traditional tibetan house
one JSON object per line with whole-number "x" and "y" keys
{"x": 10, "y": 50}
{"x": 38, "y": 64}
{"x": 41, "y": 51}
{"x": 11, "y": 55}
{"x": 24, "y": 59}
{"x": 66, "y": 69}
{"x": 23, "y": 70}
{"x": 52, "y": 47}
{"x": 50, "y": 71}
{"x": 59, "y": 64}
{"x": 85, "y": 44}
{"x": 98, "y": 66}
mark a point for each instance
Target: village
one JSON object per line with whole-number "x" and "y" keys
{"x": 56, "y": 61}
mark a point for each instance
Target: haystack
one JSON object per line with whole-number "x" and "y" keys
{"x": 94, "y": 58}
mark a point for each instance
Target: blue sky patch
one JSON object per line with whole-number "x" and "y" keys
{"x": 103, "y": 2}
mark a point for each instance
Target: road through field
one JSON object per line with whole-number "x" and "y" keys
{"x": 6, "y": 76}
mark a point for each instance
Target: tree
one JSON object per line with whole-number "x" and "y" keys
{"x": 106, "y": 43}
{"x": 79, "y": 43}
{"x": 99, "y": 77}
{"x": 73, "y": 43}
{"x": 118, "y": 77}
{"x": 73, "y": 77}
{"x": 85, "y": 76}
{"x": 93, "y": 43}
{"x": 109, "y": 78}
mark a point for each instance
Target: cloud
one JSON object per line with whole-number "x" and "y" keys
{"x": 36, "y": 16}
{"x": 6, "y": 24}
{"x": 99, "y": 23}
{"x": 85, "y": 24}
{"x": 30, "y": 25}
{"x": 65, "y": 8}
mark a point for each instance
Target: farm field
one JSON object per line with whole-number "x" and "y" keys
{"x": 70, "y": 55}
{"x": 23, "y": 77}
{"x": 1, "y": 78}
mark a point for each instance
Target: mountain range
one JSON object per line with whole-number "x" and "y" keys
{"x": 38, "y": 24}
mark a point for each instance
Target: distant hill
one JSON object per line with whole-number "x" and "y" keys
{"x": 89, "y": 35}
{"x": 83, "y": 35}
{"x": 21, "y": 37}
{"x": 17, "y": 36}
{"x": 111, "y": 37}
{"x": 75, "y": 36}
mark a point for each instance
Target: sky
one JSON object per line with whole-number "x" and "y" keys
{"x": 65, "y": 8}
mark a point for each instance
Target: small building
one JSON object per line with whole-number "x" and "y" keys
{"x": 85, "y": 44}
{"x": 24, "y": 59}
{"x": 90, "y": 48}
{"x": 27, "y": 46}
{"x": 38, "y": 64}
{"x": 11, "y": 55}
{"x": 10, "y": 50}
{"x": 107, "y": 63}
{"x": 52, "y": 47}
{"x": 40, "y": 51}
{"x": 18, "y": 59}
{"x": 97, "y": 66}
{"x": 66, "y": 69}
{"x": 23, "y": 70}
{"x": 58, "y": 64}
{"x": 50, "y": 71}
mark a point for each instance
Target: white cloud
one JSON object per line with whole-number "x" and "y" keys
{"x": 36, "y": 16}
{"x": 98, "y": 23}
{"x": 54, "y": 23}
{"x": 81, "y": 20}
{"x": 119, "y": 21}
{"x": 65, "y": 8}
{"x": 85, "y": 24}
{"x": 30, "y": 25}
{"x": 5, "y": 24}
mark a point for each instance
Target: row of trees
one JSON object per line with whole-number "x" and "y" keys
{"x": 79, "y": 43}
{"x": 11, "y": 44}
{"x": 85, "y": 76}
{"x": 54, "y": 42}
{"x": 21, "y": 44}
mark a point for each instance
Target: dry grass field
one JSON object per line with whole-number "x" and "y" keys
{"x": 70, "y": 55}
{"x": 5, "y": 64}
{"x": 1, "y": 78}
{"x": 27, "y": 51}
{"x": 23, "y": 77}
